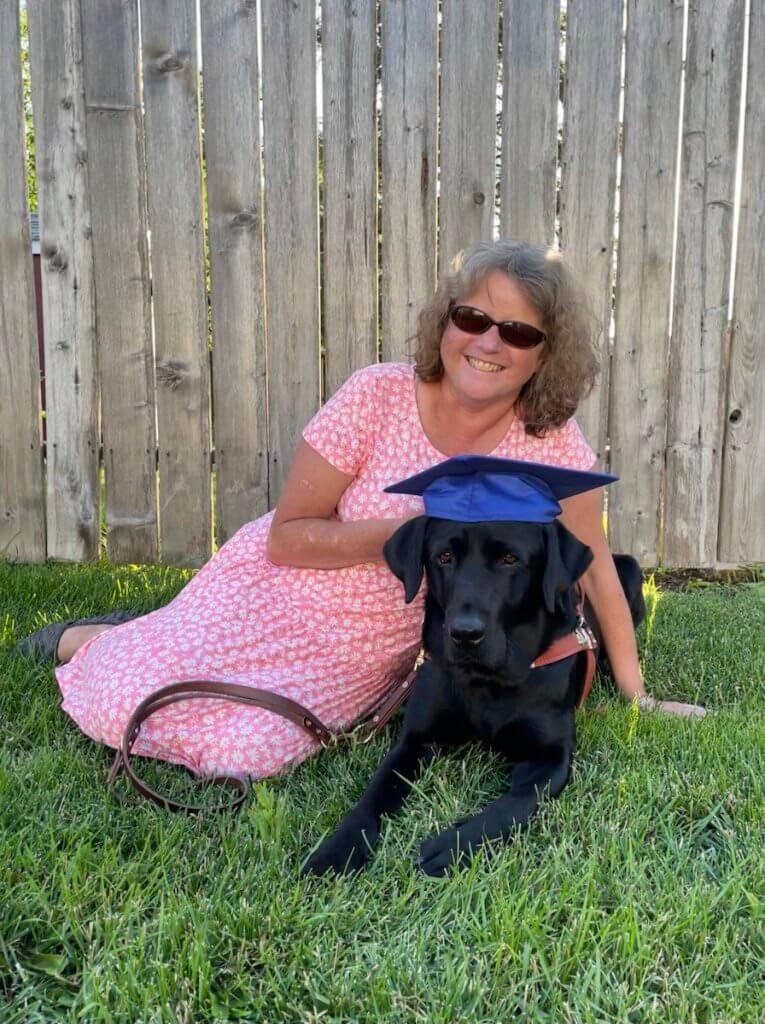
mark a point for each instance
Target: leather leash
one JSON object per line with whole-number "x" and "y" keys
{"x": 581, "y": 640}
{"x": 236, "y": 692}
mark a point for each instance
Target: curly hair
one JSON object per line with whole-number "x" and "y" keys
{"x": 569, "y": 363}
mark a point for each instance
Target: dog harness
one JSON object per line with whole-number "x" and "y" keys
{"x": 580, "y": 641}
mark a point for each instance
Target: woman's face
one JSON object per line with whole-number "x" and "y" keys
{"x": 481, "y": 368}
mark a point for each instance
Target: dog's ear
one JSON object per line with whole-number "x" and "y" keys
{"x": 404, "y": 554}
{"x": 567, "y": 559}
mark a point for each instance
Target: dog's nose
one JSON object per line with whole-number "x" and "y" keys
{"x": 467, "y": 630}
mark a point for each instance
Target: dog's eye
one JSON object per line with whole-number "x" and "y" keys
{"x": 445, "y": 557}
{"x": 509, "y": 559}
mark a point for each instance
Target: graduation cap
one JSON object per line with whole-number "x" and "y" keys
{"x": 486, "y": 488}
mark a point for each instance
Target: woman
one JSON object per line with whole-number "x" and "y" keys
{"x": 300, "y": 601}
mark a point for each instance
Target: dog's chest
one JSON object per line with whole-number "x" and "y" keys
{"x": 492, "y": 716}
{"x": 506, "y": 723}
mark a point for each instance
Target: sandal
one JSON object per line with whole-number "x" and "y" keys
{"x": 44, "y": 642}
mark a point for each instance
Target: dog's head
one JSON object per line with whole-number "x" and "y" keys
{"x": 497, "y": 592}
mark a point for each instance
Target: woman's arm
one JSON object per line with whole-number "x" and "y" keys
{"x": 582, "y": 515}
{"x": 304, "y": 532}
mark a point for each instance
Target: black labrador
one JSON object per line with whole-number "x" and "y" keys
{"x": 498, "y": 594}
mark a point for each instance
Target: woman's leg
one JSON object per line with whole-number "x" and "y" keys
{"x": 74, "y": 637}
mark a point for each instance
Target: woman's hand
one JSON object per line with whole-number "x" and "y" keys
{"x": 671, "y": 707}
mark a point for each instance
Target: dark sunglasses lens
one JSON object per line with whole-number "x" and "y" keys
{"x": 520, "y": 335}
{"x": 472, "y": 321}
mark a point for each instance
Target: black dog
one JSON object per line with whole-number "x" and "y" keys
{"x": 498, "y": 594}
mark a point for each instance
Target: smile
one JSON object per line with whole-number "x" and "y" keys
{"x": 479, "y": 364}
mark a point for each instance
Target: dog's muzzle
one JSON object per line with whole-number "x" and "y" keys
{"x": 467, "y": 631}
{"x": 473, "y": 642}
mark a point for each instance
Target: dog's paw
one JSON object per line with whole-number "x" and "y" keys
{"x": 342, "y": 853}
{"x": 443, "y": 851}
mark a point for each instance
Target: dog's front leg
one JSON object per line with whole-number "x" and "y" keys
{"x": 350, "y": 846}
{"x": 528, "y": 781}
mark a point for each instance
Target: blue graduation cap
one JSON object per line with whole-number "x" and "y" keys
{"x": 485, "y": 488}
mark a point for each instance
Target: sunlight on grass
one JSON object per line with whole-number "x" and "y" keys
{"x": 652, "y": 596}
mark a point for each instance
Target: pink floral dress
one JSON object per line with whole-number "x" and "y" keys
{"x": 332, "y": 639}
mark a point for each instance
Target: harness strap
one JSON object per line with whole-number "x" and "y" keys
{"x": 582, "y": 640}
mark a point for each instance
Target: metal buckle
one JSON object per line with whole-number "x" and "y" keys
{"x": 582, "y": 633}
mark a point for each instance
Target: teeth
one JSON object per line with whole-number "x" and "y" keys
{"x": 479, "y": 364}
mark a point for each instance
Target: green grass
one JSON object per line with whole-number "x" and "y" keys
{"x": 638, "y": 896}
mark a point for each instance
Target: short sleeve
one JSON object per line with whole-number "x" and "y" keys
{"x": 572, "y": 448}
{"x": 342, "y": 431}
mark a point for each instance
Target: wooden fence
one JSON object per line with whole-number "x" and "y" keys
{"x": 439, "y": 125}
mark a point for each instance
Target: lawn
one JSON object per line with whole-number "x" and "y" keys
{"x": 638, "y": 896}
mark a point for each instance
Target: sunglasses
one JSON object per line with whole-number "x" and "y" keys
{"x": 512, "y": 332}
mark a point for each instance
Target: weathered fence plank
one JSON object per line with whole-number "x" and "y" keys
{"x": 170, "y": 86}
{"x": 742, "y": 523}
{"x": 696, "y": 396}
{"x": 468, "y": 124}
{"x": 530, "y": 73}
{"x": 235, "y": 218}
{"x": 350, "y": 189}
{"x": 639, "y": 374}
{"x": 22, "y": 492}
{"x": 588, "y": 179}
{"x": 409, "y": 76}
{"x": 114, "y": 126}
{"x": 66, "y": 247}
{"x": 292, "y": 282}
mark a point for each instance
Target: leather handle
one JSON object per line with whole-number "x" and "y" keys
{"x": 205, "y": 689}
{"x": 120, "y": 765}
